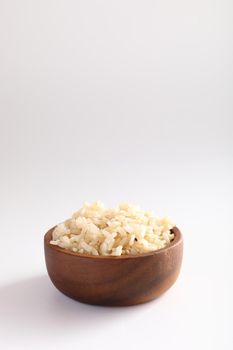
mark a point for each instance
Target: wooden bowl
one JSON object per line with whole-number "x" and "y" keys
{"x": 114, "y": 281}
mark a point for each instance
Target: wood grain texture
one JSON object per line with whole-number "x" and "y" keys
{"x": 114, "y": 281}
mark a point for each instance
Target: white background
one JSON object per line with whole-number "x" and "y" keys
{"x": 117, "y": 101}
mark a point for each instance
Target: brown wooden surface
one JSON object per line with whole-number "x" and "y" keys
{"x": 115, "y": 281}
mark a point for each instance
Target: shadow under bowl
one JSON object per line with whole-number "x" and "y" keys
{"x": 114, "y": 281}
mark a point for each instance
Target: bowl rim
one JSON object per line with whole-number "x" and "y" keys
{"x": 176, "y": 241}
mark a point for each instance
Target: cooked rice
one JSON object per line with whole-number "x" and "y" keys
{"x": 123, "y": 230}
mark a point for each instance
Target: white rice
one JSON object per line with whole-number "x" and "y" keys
{"x": 123, "y": 230}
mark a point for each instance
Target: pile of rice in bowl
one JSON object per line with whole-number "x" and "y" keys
{"x": 123, "y": 230}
